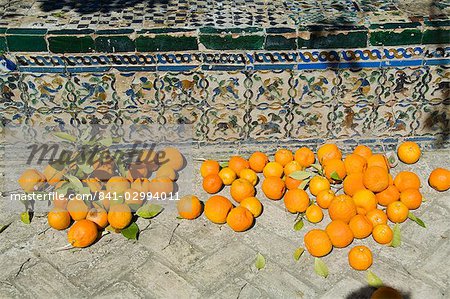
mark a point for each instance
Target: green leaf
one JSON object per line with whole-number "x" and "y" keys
{"x": 148, "y": 211}
{"x": 84, "y": 190}
{"x": 108, "y": 141}
{"x": 3, "y": 227}
{"x": 298, "y": 253}
{"x": 260, "y": 261}
{"x": 63, "y": 189}
{"x": 75, "y": 182}
{"x": 397, "y": 238}
{"x": 223, "y": 164}
{"x": 303, "y": 184}
{"x": 335, "y": 176}
{"x": 87, "y": 169}
{"x": 373, "y": 280}
{"x": 416, "y": 219}
{"x": 65, "y": 136}
{"x": 25, "y": 217}
{"x": 317, "y": 166}
{"x": 320, "y": 267}
{"x": 131, "y": 231}
{"x": 298, "y": 225}
{"x": 301, "y": 175}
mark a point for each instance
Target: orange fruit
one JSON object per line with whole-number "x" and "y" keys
{"x": 60, "y": 202}
{"x": 209, "y": 167}
{"x": 166, "y": 171}
{"x": 334, "y": 167}
{"x": 314, "y": 214}
{"x": 361, "y": 226}
{"x": 77, "y": 209}
{"x": 353, "y": 183}
{"x": 391, "y": 180}
{"x": 397, "y": 212}
{"x": 253, "y": 205}
{"x": 355, "y": 163}
{"x": 161, "y": 186}
{"x": 305, "y": 157}
{"x": 327, "y": 152}
{"x": 241, "y": 189}
{"x": 283, "y": 156}
{"x": 365, "y": 201}
{"x": 212, "y": 183}
{"x": 379, "y": 160}
{"x": 172, "y": 157}
{"x": 342, "y": 208}
{"x": 317, "y": 243}
{"x": 406, "y": 180}
{"x": 137, "y": 170}
{"x": 82, "y": 234}
{"x": 324, "y": 198}
{"x": 273, "y": 169}
{"x": 58, "y": 218}
{"x": 317, "y": 184}
{"x": 339, "y": 233}
{"x": 217, "y": 208}
{"x": 99, "y": 216}
{"x": 257, "y": 161}
{"x": 119, "y": 216}
{"x": 377, "y": 217}
{"x": 134, "y": 198}
{"x": 237, "y": 163}
{"x": 31, "y": 180}
{"x": 387, "y": 196}
{"x": 240, "y": 219}
{"x": 412, "y": 198}
{"x": 386, "y": 293}
{"x": 227, "y": 175}
{"x": 439, "y": 179}
{"x": 117, "y": 184}
{"x": 408, "y": 152}
{"x": 141, "y": 185}
{"x": 249, "y": 175}
{"x": 382, "y": 234}
{"x": 189, "y": 207}
{"x": 363, "y": 151}
{"x": 53, "y": 175}
{"x": 273, "y": 187}
{"x": 94, "y": 184}
{"x": 291, "y": 183}
{"x": 296, "y": 201}
{"x": 376, "y": 178}
{"x": 360, "y": 258}
{"x": 291, "y": 167}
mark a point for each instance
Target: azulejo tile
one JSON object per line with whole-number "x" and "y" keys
{"x": 225, "y": 124}
{"x": 311, "y": 122}
{"x": 359, "y": 86}
{"x": 269, "y": 120}
{"x": 225, "y": 89}
{"x": 184, "y": 88}
{"x": 351, "y": 120}
{"x": 316, "y": 87}
{"x": 140, "y": 90}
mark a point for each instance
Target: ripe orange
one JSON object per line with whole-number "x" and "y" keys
{"x": 166, "y": 171}
{"x": 141, "y": 185}
{"x": 58, "y": 218}
{"x": 391, "y": 180}
{"x": 339, "y": 233}
{"x": 249, "y": 175}
{"x": 412, "y": 198}
{"x": 209, "y": 167}
{"x": 377, "y": 217}
{"x": 365, "y": 201}
{"x": 439, "y": 179}
{"x": 292, "y": 167}
{"x": 273, "y": 187}
{"x": 212, "y": 183}
{"x": 305, "y": 157}
{"x": 376, "y": 178}
{"x": 31, "y": 180}
{"x": 99, "y": 216}
{"x": 257, "y": 161}
{"x": 119, "y": 216}
{"x": 361, "y": 226}
{"x": 134, "y": 198}
{"x": 296, "y": 201}
{"x": 397, "y": 212}
{"x": 314, "y": 214}
{"x": 353, "y": 183}
{"x": 241, "y": 189}
{"x": 172, "y": 157}
{"x": 291, "y": 183}
{"x": 94, "y": 184}
{"x": 161, "y": 186}
{"x": 217, "y": 208}
{"x": 283, "y": 156}
{"x": 386, "y": 293}
{"x": 406, "y": 180}
{"x": 363, "y": 151}
{"x": 83, "y": 233}
{"x": 253, "y": 205}
{"x": 342, "y": 208}
{"x": 237, "y": 163}
{"x": 189, "y": 207}
{"x": 240, "y": 219}
{"x": 360, "y": 258}
{"x": 379, "y": 160}
{"x": 408, "y": 152}
{"x": 317, "y": 243}
{"x": 273, "y": 169}
{"x": 77, "y": 209}
{"x": 53, "y": 175}
{"x": 355, "y": 163}
{"x": 336, "y": 166}
{"x": 382, "y": 234}
{"x": 317, "y": 184}
{"x": 227, "y": 175}
{"x": 117, "y": 184}
{"x": 327, "y": 152}
{"x": 137, "y": 170}
{"x": 324, "y": 198}
{"x": 387, "y": 196}
{"x": 60, "y": 202}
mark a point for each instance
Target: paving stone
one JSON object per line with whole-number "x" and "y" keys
{"x": 7, "y": 290}
{"x": 239, "y": 288}
{"x": 12, "y": 260}
{"x": 122, "y": 289}
{"x": 436, "y": 266}
{"x": 348, "y": 288}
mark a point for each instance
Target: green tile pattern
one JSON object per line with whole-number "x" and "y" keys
{"x": 26, "y": 43}
{"x": 334, "y": 40}
{"x": 395, "y": 38}
{"x": 114, "y": 44}
{"x": 160, "y": 43}
{"x": 280, "y": 42}
{"x": 436, "y": 37}
{"x": 71, "y": 44}
{"x": 231, "y": 42}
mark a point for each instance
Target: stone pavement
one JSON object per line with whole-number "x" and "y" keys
{"x": 179, "y": 258}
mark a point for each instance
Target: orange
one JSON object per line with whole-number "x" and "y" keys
{"x": 212, "y": 183}
{"x": 305, "y": 157}
{"x": 327, "y": 152}
{"x": 387, "y": 196}
{"x": 377, "y": 217}
{"x": 397, "y": 212}
{"x": 99, "y": 216}
{"x": 324, "y": 198}
{"x": 119, "y": 216}
{"x": 391, "y": 180}
{"x": 141, "y": 185}
{"x": 339, "y": 233}
{"x": 376, "y": 178}
{"x": 241, "y": 189}
{"x": 161, "y": 186}
{"x": 240, "y": 219}
{"x": 408, "y": 152}
{"x": 117, "y": 184}
{"x": 363, "y": 151}
{"x": 317, "y": 184}
{"x": 406, "y": 180}
{"x": 412, "y": 198}
{"x": 209, "y": 167}
{"x": 273, "y": 187}
{"x": 257, "y": 161}
{"x": 355, "y": 163}
{"x": 283, "y": 156}
{"x": 342, "y": 208}
{"x": 439, "y": 179}
{"x": 296, "y": 201}
{"x": 273, "y": 169}
{"x": 189, "y": 207}
{"x": 249, "y": 175}
{"x": 253, "y": 205}
{"x": 317, "y": 243}
{"x": 83, "y": 233}
{"x": 31, "y": 180}
{"x": 237, "y": 163}
{"x": 386, "y": 293}
{"x": 361, "y": 226}
{"x": 137, "y": 170}
{"x": 227, "y": 175}
{"x": 353, "y": 183}
{"x": 382, "y": 234}
{"x": 379, "y": 160}
{"x": 60, "y": 202}
{"x": 94, "y": 184}
{"x": 172, "y": 157}
{"x": 360, "y": 258}
{"x": 77, "y": 209}
{"x": 365, "y": 201}
{"x": 292, "y": 167}
{"x": 166, "y": 171}
{"x": 58, "y": 218}
{"x": 53, "y": 175}
{"x": 314, "y": 214}
{"x": 134, "y": 198}
{"x": 217, "y": 208}
{"x": 334, "y": 166}
{"x": 291, "y": 183}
